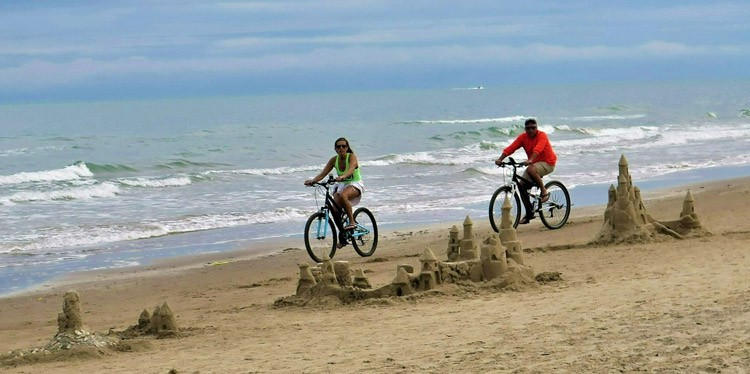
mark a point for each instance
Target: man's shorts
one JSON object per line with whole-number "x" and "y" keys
{"x": 338, "y": 187}
{"x": 542, "y": 167}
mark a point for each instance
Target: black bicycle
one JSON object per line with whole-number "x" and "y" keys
{"x": 320, "y": 229}
{"x": 554, "y": 212}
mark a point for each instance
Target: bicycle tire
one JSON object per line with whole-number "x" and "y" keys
{"x": 556, "y": 210}
{"x": 317, "y": 246}
{"x": 365, "y": 245}
{"x": 496, "y": 207}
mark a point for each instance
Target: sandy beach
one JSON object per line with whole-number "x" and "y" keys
{"x": 667, "y": 306}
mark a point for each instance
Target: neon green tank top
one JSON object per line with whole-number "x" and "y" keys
{"x": 356, "y": 176}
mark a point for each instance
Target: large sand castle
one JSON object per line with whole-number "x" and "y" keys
{"x": 497, "y": 259}
{"x": 626, "y": 219}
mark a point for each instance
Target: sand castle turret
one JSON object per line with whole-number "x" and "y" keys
{"x": 430, "y": 264}
{"x": 343, "y": 274}
{"x": 401, "y": 284}
{"x": 625, "y": 217}
{"x": 508, "y": 236}
{"x": 144, "y": 320}
{"x": 71, "y": 320}
{"x": 327, "y": 272}
{"x": 306, "y": 279}
{"x": 493, "y": 258}
{"x": 468, "y": 246}
{"x": 163, "y": 320}
{"x": 360, "y": 280}
{"x": 454, "y": 246}
{"x": 688, "y": 217}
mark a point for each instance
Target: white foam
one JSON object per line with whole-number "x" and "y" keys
{"x": 269, "y": 171}
{"x": 606, "y": 117}
{"x": 71, "y": 172}
{"x": 470, "y": 121}
{"x": 156, "y": 182}
{"x": 105, "y": 189}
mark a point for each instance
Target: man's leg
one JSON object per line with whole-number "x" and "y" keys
{"x": 537, "y": 178}
{"x": 523, "y": 190}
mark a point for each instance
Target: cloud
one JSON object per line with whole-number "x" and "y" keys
{"x": 39, "y": 73}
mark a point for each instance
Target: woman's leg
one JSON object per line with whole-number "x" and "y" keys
{"x": 343, "y": 199}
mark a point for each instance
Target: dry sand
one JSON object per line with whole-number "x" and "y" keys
{"x": 672, "y": 306}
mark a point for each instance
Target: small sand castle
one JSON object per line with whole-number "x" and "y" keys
{"x": 73, "y": 335}
{"x": 627, "y": 221}
{"x": 497, "y": 259}
{"x": 71, "y": 331}
{"x": 161, "y": 322}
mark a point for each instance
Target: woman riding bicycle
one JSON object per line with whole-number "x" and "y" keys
{"x": 541, "y": 161}
{"x": 349, "y": 190}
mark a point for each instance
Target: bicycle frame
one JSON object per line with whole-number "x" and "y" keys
{"x": 331, "y": 205}
{"x": 516, "y": 179}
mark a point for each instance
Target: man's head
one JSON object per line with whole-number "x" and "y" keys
{"x": 531, "y": 127}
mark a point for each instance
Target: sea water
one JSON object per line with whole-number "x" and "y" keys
{"x": 92, "y": 185}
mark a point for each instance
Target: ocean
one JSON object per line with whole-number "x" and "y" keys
{"x": 93, "y": 185}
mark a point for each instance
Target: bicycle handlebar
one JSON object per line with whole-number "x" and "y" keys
{"x": 325, "y": 183}
{"x": 512, "y": 162}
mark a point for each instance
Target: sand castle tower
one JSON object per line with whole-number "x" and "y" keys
{"x": 401, "y": 284}
{"x": 144, "y": 320}
{"x": 508, "y": 237}
{"x": 343, "y": 274}
{"x": 429, "y": 275}
{"x": 306, "y": 279}
{"x": 688, "y": 217}
{"x": 493, "y": 258}
{"x": 468, "y": 246}
{"x": 430, "y": 264}
{"x": 360, "y": 280}
{"x": 70, "y": 321}
{"x": 163, "y": 320}
{"x": 625, "y": 217}
{"x": 454, "y": 245}
{"x": 328, "y": 274}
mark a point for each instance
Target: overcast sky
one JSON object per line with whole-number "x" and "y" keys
{"x": 71, "y": 50}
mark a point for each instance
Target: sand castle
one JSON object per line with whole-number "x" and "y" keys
{"x": 626, "y": 219}
{"x": 71, "y": 330}
{"x": 72, "y": 333}
{"x": 498, "y": 259}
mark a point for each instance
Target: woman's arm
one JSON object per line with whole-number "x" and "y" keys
{"x": 327, "y": 169}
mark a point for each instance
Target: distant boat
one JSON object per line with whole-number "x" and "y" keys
{"x": 468, "y": 88}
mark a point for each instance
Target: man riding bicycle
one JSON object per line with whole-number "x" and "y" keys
{"x": 541, "y": 161}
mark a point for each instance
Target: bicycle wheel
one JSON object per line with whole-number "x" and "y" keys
{"x": 496, "y": 207}
{"x": 317, "y": 241}
{"x": 555, "y": 211}
{"x": 366, "y": 243}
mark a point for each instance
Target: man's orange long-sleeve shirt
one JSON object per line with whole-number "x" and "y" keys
{"x": 538, "y": 144}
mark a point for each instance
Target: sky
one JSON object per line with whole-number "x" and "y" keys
{"x": 90, "y": 50}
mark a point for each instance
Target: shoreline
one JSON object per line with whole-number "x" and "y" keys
{"x": 611, "y": 296}
{"x": 587, "y": 198}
